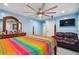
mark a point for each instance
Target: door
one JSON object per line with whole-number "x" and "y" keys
{"x": 48, "y": 28}
{"x": 44, "y": 29}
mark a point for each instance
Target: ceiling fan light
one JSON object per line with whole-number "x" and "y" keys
{"x": 63, "y": 11}
{"x": 40, "y": 15}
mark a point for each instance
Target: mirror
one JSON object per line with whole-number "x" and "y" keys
{"x": 11, "y": 24}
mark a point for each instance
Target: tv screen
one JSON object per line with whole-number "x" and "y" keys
{"x": 67, "y": 22}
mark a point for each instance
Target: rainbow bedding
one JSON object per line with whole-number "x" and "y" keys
{"x": 31, "y": 45}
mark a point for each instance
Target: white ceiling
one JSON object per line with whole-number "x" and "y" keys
{"x": 19, "y": 8}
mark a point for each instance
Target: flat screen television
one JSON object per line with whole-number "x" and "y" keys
{"x": 67, "y": 22}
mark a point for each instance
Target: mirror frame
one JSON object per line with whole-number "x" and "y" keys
{"x": 13, "y": 18}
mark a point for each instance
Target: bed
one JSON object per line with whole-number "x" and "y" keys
{"x": 23, "y": 45}
{"x": 18, "y": 43}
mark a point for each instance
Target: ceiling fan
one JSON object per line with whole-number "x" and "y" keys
{"x": 41, "y": 12}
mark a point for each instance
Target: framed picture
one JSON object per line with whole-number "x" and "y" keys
{"x": 14, "y": 26}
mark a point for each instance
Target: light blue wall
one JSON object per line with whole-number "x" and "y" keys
{"x": 0, "y": 25}
{"x": 69, "y": 28}
{"x": 27, "y": 22}
{"x": 78, "y": 14}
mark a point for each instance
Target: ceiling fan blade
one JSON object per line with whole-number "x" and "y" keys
{"x": 47, "y": 15}
{"x": 43, "y": 5}
{"x": 52, "y": 8}
{"x": 31, "y": 7}
{"x": 51, "y": 12}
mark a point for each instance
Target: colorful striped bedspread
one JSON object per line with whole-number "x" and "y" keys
{"x": 31, "y": 45}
